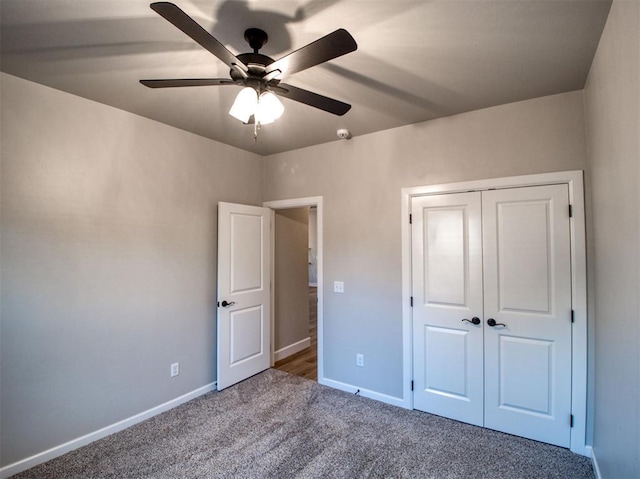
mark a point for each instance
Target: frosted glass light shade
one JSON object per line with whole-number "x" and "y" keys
{"x": 269, "y": 108}
{"x": 245, "y": 104}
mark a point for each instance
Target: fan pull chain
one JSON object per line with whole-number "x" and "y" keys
{"x": 256, "y": 123}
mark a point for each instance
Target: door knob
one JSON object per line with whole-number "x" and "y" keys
{"x": 225, "y": 303}
{"x": 492, "y": 322}
{"x": 474, "y": 320}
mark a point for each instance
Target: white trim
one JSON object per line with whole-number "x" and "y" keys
{"x": 367, "y": 393}
{"x": 291, "y": 349}
{"x": 61, "y": 449}
{"x": 575, "y": 182}
{"x": 314, "y": 285}
{"x": 594, "y": 463}
{"x": 579, "y": 304}
{"x": 564, "y": 177}
{"x": 407, "y": 342}
{"x": 297, "y": 203}
{"x": 272, "y": 279}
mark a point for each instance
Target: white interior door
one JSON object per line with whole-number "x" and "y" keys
{"x": 527, "y": 284}
{"x": 244, "y": 326}
{"x": 502, "y": 256}
{"x": 447, "y": 295}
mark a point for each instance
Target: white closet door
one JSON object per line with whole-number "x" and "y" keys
{"x": 527, "y": 285}
{"x": 447, "y": 288}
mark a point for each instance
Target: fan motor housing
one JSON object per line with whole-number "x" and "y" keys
{"x": 256, "y": 63}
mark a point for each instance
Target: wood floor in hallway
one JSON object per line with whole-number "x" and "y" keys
{"x": 305, "y": 363}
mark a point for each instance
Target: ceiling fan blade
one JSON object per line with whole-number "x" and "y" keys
{"x": 184, "y": 22}
{"x": 324, "y": 49}
{"x": 312, "y": 99}
{"x": 187, "y": 82}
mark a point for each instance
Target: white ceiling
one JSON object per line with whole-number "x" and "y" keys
{"x": 416, "y": 60}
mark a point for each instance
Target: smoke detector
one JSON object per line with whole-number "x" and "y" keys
{"x": 344, "y": 134}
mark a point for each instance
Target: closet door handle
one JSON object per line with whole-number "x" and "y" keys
{"x": 225, "y": 303}
{"x": 473, "y": 320}
{"x": 492, "y": 322}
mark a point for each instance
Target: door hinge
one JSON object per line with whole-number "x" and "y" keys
{"x": 411, "y": 301}
{"x": 412, "y": 385}
{"x": 571, "y": 420}
{"x": 410, "y": 218}
{"x": 573, "y": 316}
{"x": 570, "y": 211}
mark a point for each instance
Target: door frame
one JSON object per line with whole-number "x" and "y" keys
{"x": 575, "y": 182}
{"x": 299, "y": 203}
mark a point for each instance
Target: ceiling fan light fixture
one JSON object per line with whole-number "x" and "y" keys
{"x": 269, "y": 108}
{"x": 245, "y": 104}
{"x": 264, "y": 108}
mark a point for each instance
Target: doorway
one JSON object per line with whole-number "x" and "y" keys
{"x": 297, "y": 286}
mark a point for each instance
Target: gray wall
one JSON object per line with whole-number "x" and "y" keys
{"x": 291, "y": 276}
{"x": 612, "y": 98}
{"x": 361, "y": 180}
{"x": 108, "y": 251}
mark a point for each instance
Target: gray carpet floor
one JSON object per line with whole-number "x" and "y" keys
{"x": 275, "y": 425}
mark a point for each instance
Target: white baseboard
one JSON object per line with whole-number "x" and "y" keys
{"x": 291, "y": 349}
{"x": 363, "y": 392}
{"x": 594, "y": 462}
{"x": 56, "y": 451}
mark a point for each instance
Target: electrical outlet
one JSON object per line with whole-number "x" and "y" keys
{"x": 360, "y": 360}
{"x": 175, "y": 369}
{"x": 338, "y": 286}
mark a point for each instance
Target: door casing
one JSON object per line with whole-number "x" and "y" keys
{"x": 575, "y": 182}
{"x": 298, "y": 203}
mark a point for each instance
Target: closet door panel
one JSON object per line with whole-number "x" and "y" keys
{"x": 527, "y": 295}
{"x": 447, "y": 288}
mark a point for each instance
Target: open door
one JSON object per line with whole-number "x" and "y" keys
{"x": 244, "y": 326}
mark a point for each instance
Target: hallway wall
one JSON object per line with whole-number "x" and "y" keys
{"x": 291, "y": 277}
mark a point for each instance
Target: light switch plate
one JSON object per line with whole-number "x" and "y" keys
{"x": 338, "y": 286}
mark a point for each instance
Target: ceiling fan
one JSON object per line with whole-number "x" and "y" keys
{"x": 259, "y": 74}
